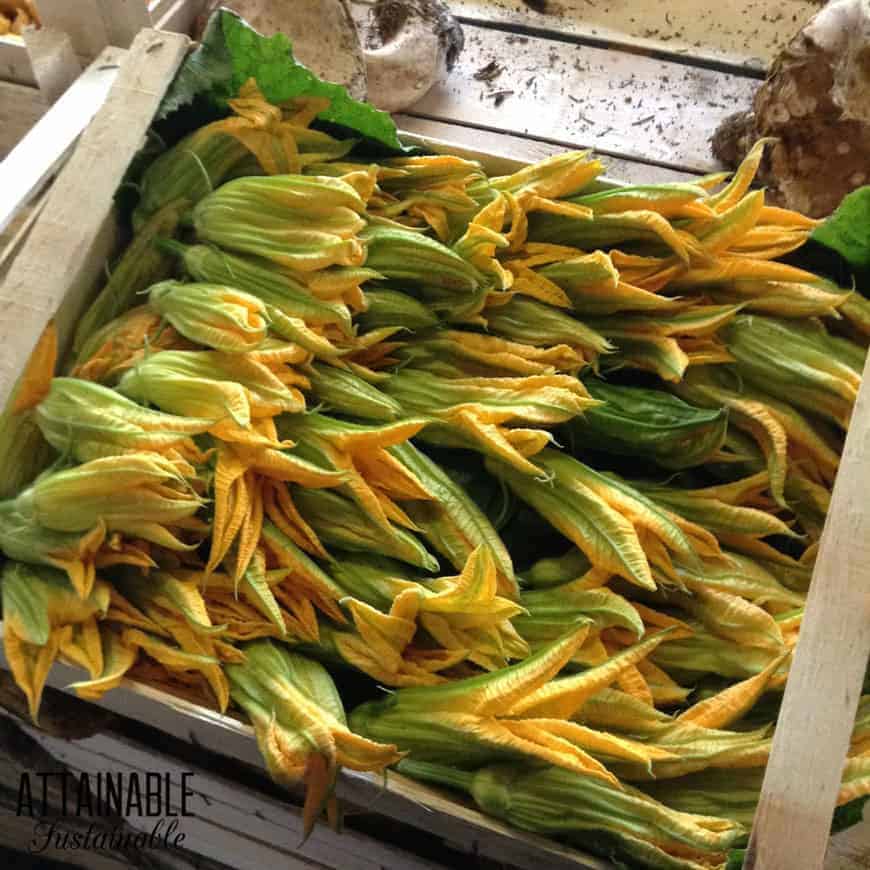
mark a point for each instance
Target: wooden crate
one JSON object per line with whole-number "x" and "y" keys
{"x": 35, "y": 69}
{"x": 94, "y": 24}
{"x": 58, "y": 272}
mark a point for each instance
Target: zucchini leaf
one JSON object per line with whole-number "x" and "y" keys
{"x": 847, "y": 230}
{"x": 231, "y": 52}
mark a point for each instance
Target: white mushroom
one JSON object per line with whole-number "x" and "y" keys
{"x": 409, "y": 46}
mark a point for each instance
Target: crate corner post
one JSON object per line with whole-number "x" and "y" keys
{"x": 54, "y": 273}
{"x": 799, "y": 793}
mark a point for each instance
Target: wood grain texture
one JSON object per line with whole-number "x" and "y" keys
{"x": 47, "y": 144}
{"x": 826, "y": 676}
{"x": 56, "y": 271}
{"x": 15, "y": 63}
{"x": 20, "y": 108}
{"x": 26, "y": 750}
{"x": 232, "y": 823}
{"x": 577, "y": 96}
{"x": 13, "y": 237}
{"x": 741, "y": 33}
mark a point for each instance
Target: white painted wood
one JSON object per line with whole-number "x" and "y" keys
{"x": 43, "y": 149}
{"x": 443, "y": 137}
{"x": 57, "y": 268}
{"x": 81, "y": 19}
{"x": 123, "y": 19}
{"x": 53, "y": 59}
{"x": 577, "y": 96}
{"x": 15, "y": 63}
{"x": 740, "y": 33}
{"x": 20, "y": 108}
{"x": 826, "y": 675}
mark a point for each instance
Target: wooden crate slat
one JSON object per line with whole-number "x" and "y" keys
{"x": 739, "y": 33}
{"x": 232, "y": 821}
{"x": 400, "y": 798}
{"x": 530, "y": 150}
{"x": 826, "y": 676}
{"x": 40, "y": 152}
{"x": 15, "y": 65}
{"x": 56, "y": 270}
{"x": 630, "y": 106}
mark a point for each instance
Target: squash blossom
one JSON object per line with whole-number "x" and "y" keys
{"x": 540, "y": 461}
{"x": 482, "y": 719}
{"x": 552, "y": 800}
{"x": 462, "y": 613}
{"x": 140, "y": 495}
{"x": 44, "y": 617}
{"x": 261, "y": 136}
{"x": 121, "y": 342}
{"x": 820, "y": 373}
{"x": 477, "y": 411}
{"x": 300, "y": 724}
{"x": 451, "y": 521}
{"x": 437, "y": 190}
{"x": 535, "y": 323}
{"x": 214, "y": 386}
{"x": 276, "y": 287}
{"x": 619, "y": 529}
{"x": 90, "y": 421}
{"x": 341, "y": 522}
{"x": 552, "y": 611}
{"x": 302, "y": 222}
{"x": 453, "y": 353}
{"x": 417, "y": 260}
{"x": 373, "y": 477}
{"x": 341, "y": 391}
{"x": 213, "y": 315}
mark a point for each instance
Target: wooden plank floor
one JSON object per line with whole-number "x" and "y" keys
{"x": 745, "y": 34}
{"x": 572, "y": 95}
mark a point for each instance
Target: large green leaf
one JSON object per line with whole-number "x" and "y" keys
{"x": 231, "y": 52}
{"x": 847, "y": 230}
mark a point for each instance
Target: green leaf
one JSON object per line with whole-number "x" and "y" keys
{"x": 849, "y": 814}
{"x": 735, "y": 859}
{"x": 207, "y": 72}
{"x": 847, "y": 231}
{"x": 231, "y": 52}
